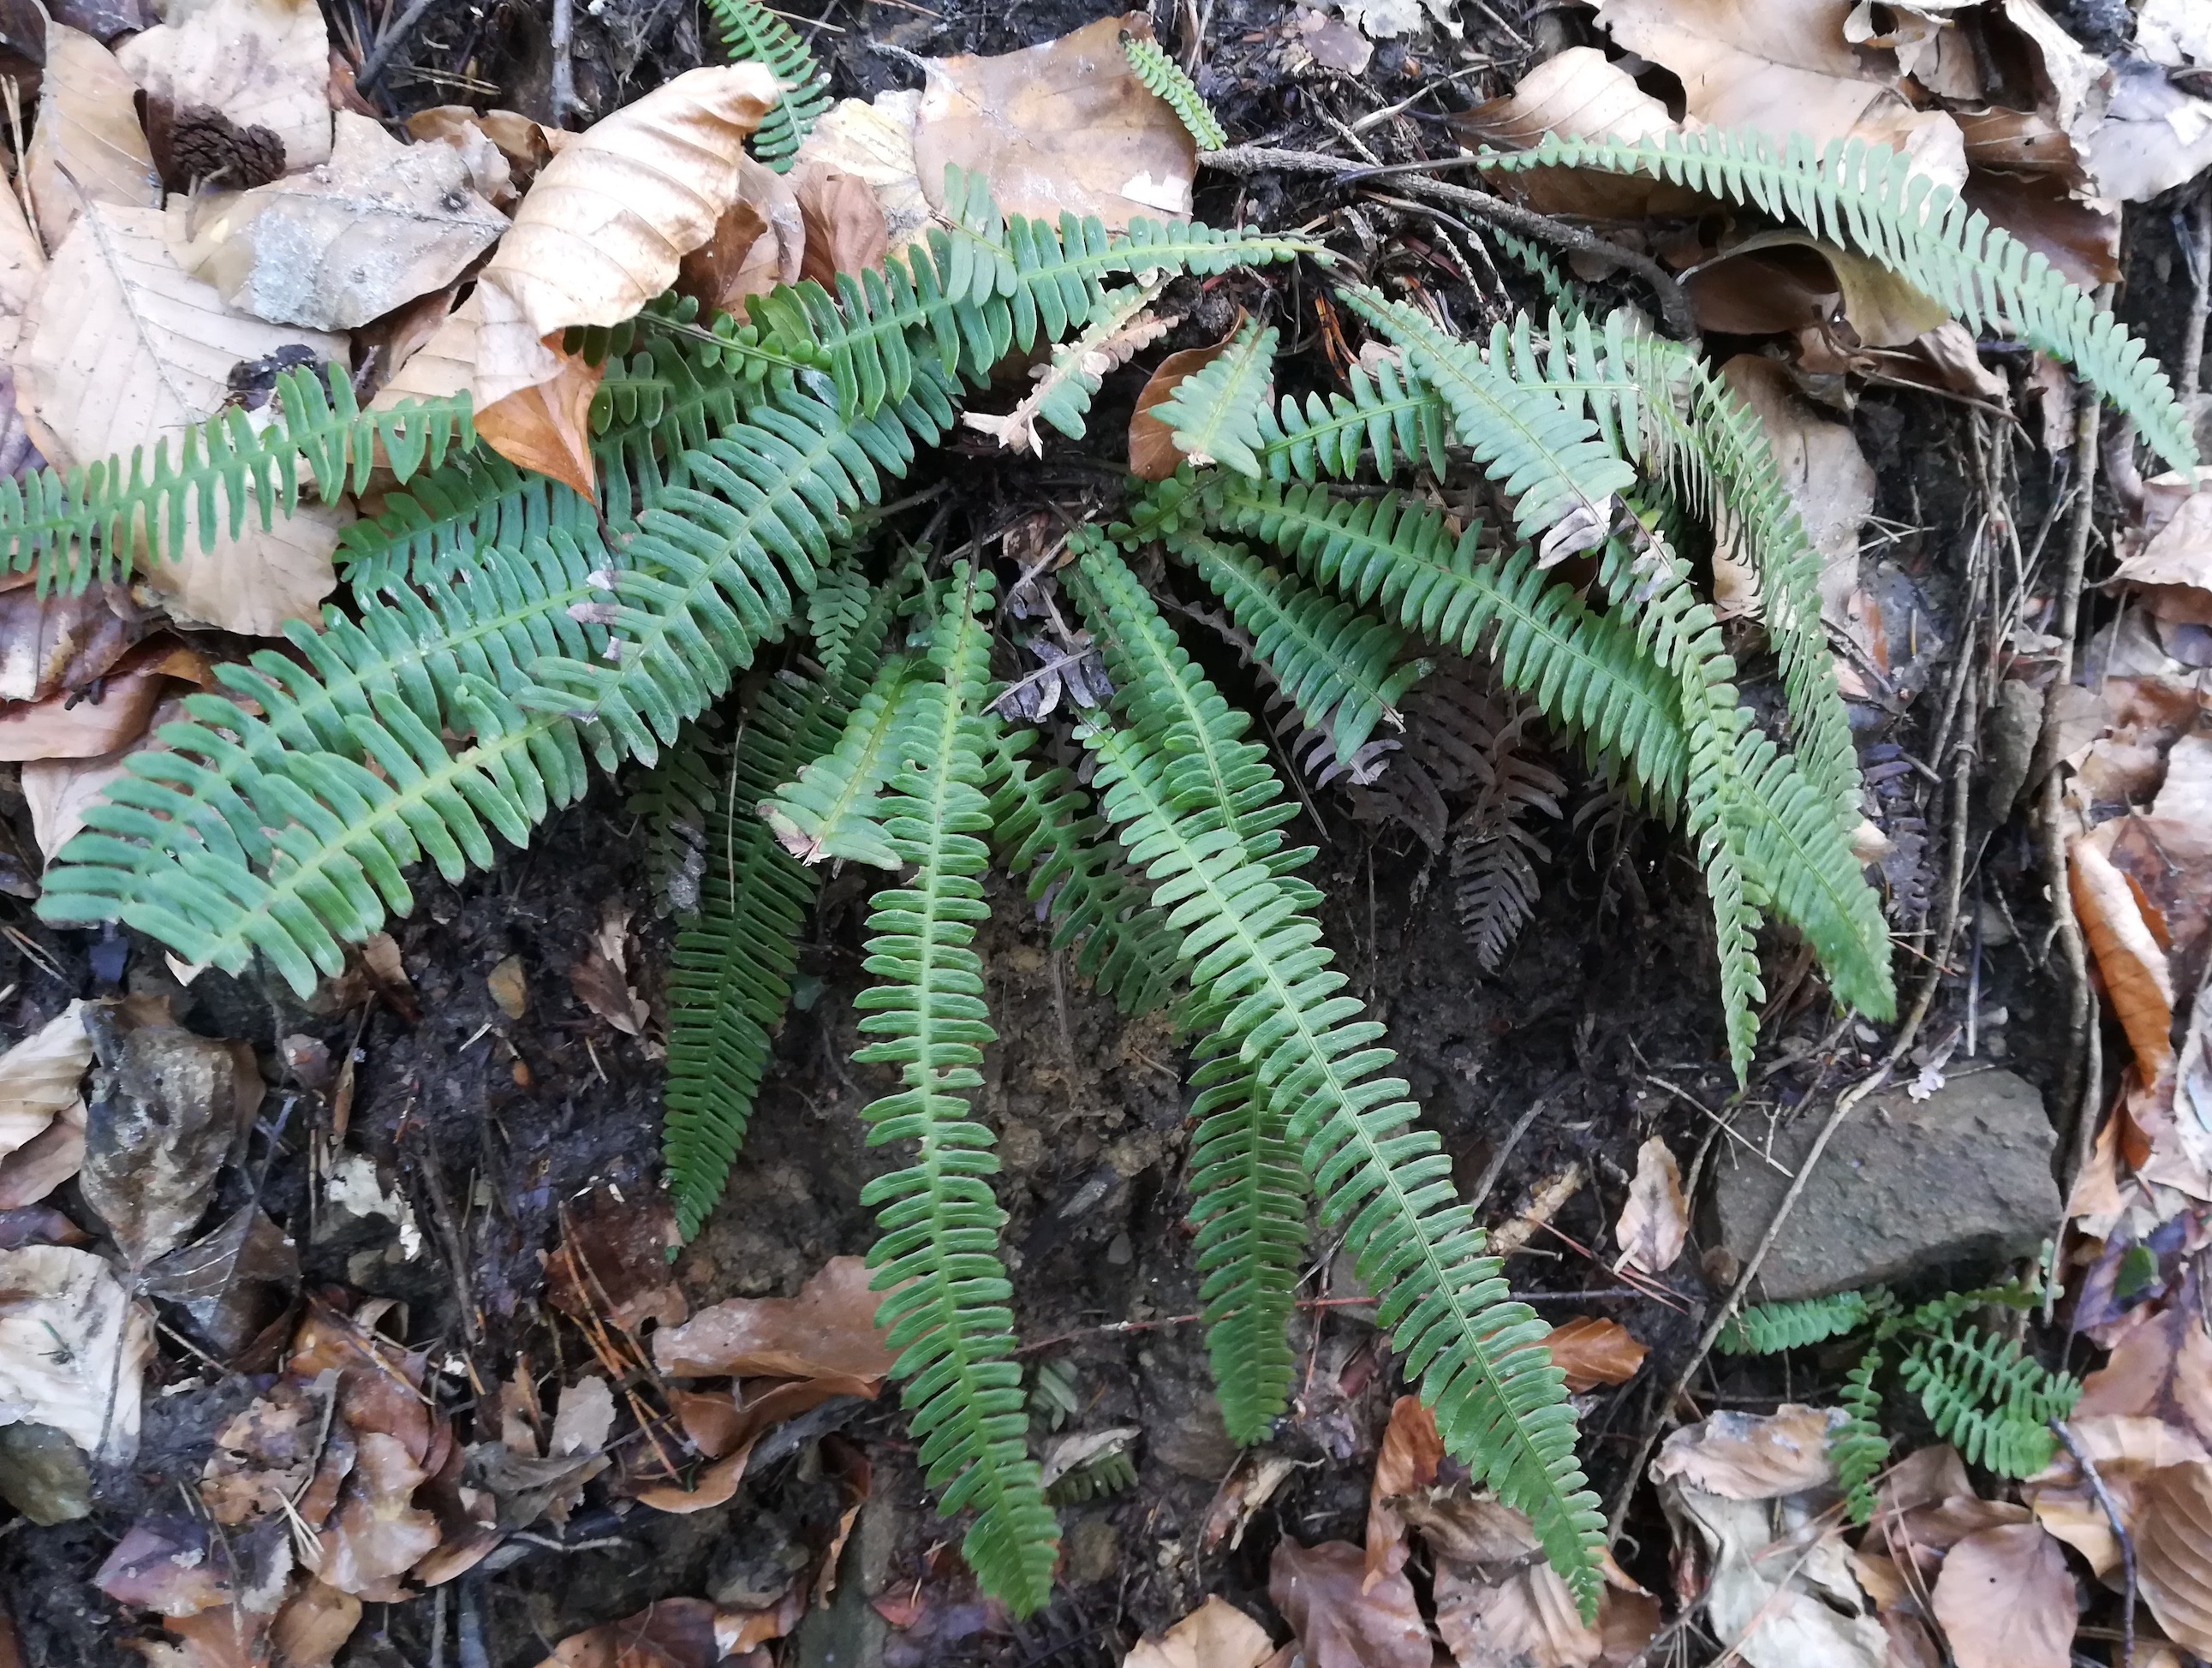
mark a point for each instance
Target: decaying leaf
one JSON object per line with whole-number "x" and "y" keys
{"x": 1063, "y": 127}
{"x": 1123, "y": 327}
{"x": 2153, "y": 137}
{"x": 1408, "y": 1461}
{"x": 86, "y": 145}
{"x": 1741, "y": 1456}
{"x": 1340, "y": 1621}
{"x": 91, "y": 724}
{"x": 1217, "y": 1634}
{"x": 673, "y": 1633}
{"x": 873, "y": 140}
{"x": 1655, "y": 1222}
{"x": 1153, "y": 454}
{"x": 601, "y": 975}
{"x": 233, "y": 1284}
{"x": 612, "y": 1261}
{"x": 845, "y": 230}
{"x": 46, "y": 1161}
{"x": 828, "y": 1330}
{"x": 1581, "y": 93}
{"x": 509, "y": 987}
{"x": 314, "y": 1626}
{"x": 2173, "y": 1551}
{"x": 2131, "y": 961}
{"x": 379, "y": 1532}
{"x": 1592, "y": 1350}
{"x": 124, "y": 350}
{"x": 56, "y": 642}
{"x": 2006, "y": 1600}
{"x": 40, "y": 1077}
{"x": 261, "y": 63}
{"x": 547, "y": 426}
{"x": 1780, "y": 1591}
{"x": 72, "y": 1349}
{"x": 760, "y": 241}
{"x": 1747, "y": 291}
{"x": 1526, "y": 1616}
{"x": 370, "y": 229}
{"x": 1830, "y": 481}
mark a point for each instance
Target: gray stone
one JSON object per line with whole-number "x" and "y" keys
{"x": 1958, "y": 1182}
{"x": 850, "y": 1633}
{"x": 43, "y": 1475}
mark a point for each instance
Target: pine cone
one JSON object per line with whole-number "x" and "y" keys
{"x": 198, "y": 145}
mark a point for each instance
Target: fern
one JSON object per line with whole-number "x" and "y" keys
{"x": 838, "y": 611}
{"x": 1386, "y": 414}
{"x": 1869, "y": 199}
{"x": 1494, "y": 852}
{"x": 1117, "y": 328}
{"x": 1255, "y": 955}
{"x": 1161, "y": 74}
{"x": 81, "y": 526}
{"x": 1214, "y": 414}
{"x": 1859, "y": 1450}
{"x": 1768, "y": 1329}
{"x": 945, "y": 1309}
{"x": 833, "y": 808}
{"x": 755, "y": 34}
{"x": 1993, "y": 1403}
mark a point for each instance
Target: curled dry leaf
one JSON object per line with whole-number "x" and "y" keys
{"x": 377, "y": 225}
{"x": 1063, "y": 127}
{"x": 2173, "y": 1552}
{"x": 1340, "y": 1621}
{"x": 1741, "y": 1456}
{"x": 673, "y": 1633}
{"x": 235, "y": 1285}
{"x": 1153, "y": 454}
{"x": 1217, "y": 1634}
{"x": 1780, "y": 1590}
{"x": 56, "y": 642}
{"x": 547, "y": 426}
{"x": 41, "y": 1075}
{"x": 1580, "y": 94}
{"x": 2006, "y": 1600}
{"x": 1525, "y": 1617}
{"x": 1753, "y": 289}
{"x": 2132, "y": 962}
{"x": 314, "y": 1626}
{"x": 601, "y": 975}
{"x": 88, "y": 144}
{"x": 1407, "y": 1462}
{"x": 759, "y": 242}
{"x": 90, "y": 724}
{"x": 1592, "y": 1350}
{"x": 46, "y": 1161}
{"x": 874, "y": 142}
{"x": 124, "y": 349}
{"x": 1655, "y": 1222}
{"x": 510, "y": 990}
{"x": 828, "y": 1330}
{"x": 261, "y": 63}
{"x": 845, "y": 230}
{"x": 380, "y": 1533}
{"x": 72, "y": 1349}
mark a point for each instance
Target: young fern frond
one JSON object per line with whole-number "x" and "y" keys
{"x": 475, "y": 502}
{"x": 1869, "y": 199}
{"x": 1859, "y": 1449}
{"x": 1257, "y": 962}
{"x": 1768, "y": 1329}
{"x": 78, "y": 526}
{"x": 1117, "y": 328}
{"x": 1493, "y": 850}
{"x": 832, "y": 809}
{"x": 1990, "y": 1400}
{"x": 1214, "y": 414}
{"x": 837, "y": 611}
{"x": 946, "y": 1310}
{"x": 1344, "y": 671}
{"x": 1385, "y": 414}
{"x": 754, "y": 34}
{"x": 1161, "y": 74}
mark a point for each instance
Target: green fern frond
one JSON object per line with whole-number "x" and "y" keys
{"x": 1993, "y": 1403}
{"x": 754, "y": 34}
{"x": 1859, "y": 1450}
{"x": 1385, "y": 414}
{"x": 1256, "y": 959}
{"x": 1567, "y": 296}
{"x": 1768, "y": 1329}
{"x": 1940, "y": 1312}
{"x": 946, "y": 1308}
{"x": 671, "y": 803}
{"x": 81, "y": 526}
{"x": 476, "y": 501}
{"x": 1346, "y": 671}
{"x": 1095, "y": 1479}
{"x": 836, "y": 608}
{"x": 1869, "y": 199}
{"x": 1042, "y": 827}
{"x": 1118, "y": 327}
{"x": 1214, "y": 414}
{"x": 832, "y": 809}
{"x": 1161, "y": 74}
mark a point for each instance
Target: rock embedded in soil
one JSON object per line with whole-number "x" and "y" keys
{"x": 1956, "y": 1183}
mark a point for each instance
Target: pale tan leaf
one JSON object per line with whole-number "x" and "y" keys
{"x": 1591, "y": 1351}
{"x": 1580, "y": 94}
{"x": 845, "y": 228}
{"x": 2127, "y": 1449}
{"x": 1783, "y": 67}
{"x": 759, "y": 242}
{"x": 1742, "y": 1456}
{"x": 874, "y": 142}
{"x": 2174, "y": 33}
{"x": 1407, "y": 1463}
{"x": 1061, "y": 127}
{"x": 2153, "y": 137}
{"x": 1527, "y": 1619}
{"x": 88, "y": 143}
{"x": 608, "y": 220}
{"x": 1217, "y": 1634}
{"x": 261, "y": 63}
{"x": 124, "y": 349}
{"x": 444, "y": 364}
{"x": 2137, "y": 979}
{"x": 377, "y": 225}
{"x": 829, "y": 1329}
{"x": 1339, "y": 1621}
{"x": 547, "y": 426}
{"x": 1830, "y": 481}
{"x": 22, "y": 258}
{"x": 491, "y": 170}
{"x": 2172, "y": 572}
{"x": 2173, "y": 1552}
{"x": 40, "y": 1077}
{"x": 315, "y": 1625}
{"x": 69, "y": 726}
{"x": 1655, "y": 1221}
{"x": 46, "y": 1161}
{"x": 58, "y": 642}
{"x": 600, "y": 976}
{"x": 73, "y": 1347}
{"x": 379, "y": 1532}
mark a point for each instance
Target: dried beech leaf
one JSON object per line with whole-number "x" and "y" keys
{"x": 1655, "y": 1222}
{"x": 874, "y": 142}
{"x": 123, "y": 349}
{"x": 601, "y": 975}
{"x": 46, "y": 1161}
{"x": 1217, "y": 1634}
{"x": 58, "y": 642}
{"x": 261, "y": 63}
{"x": 845, "y": 230}
{"x": 828, "y": 1330}
{"x": 1579, "y": 94}
{"x": 379, "y": 1532}
{"x": 759, "y": 242}
{"x": 547, "y": 426}
{"x": 1741, "y": 1456}
{"x": 608, "y": 220}
{"x": 1153, "y": 454}
{"x": 2006, "y": 1600}
{"x": 1830, "y": 481}
{"x": 70, "y": 726}
{"x": 72, "y": 1349}
{"x": 2173, "y": 1552}
{"x": 88, "y": 143}
{"x": 1407, "y": 1463}
{"x": 1063, "y": 127}
{"x": 446, "y": 363}
{"x": 1340, "y": 1621}
{"x": 41, "y": 1076}
{"x": 1527, "y": 1617}
{"x": 1883, "y": 310}
{"x": 673, "y": 1633}
{"x": 377, "y": 225}
{"x": 1592, "y": 1352}
{"x": 2137, "y": 979}
{"x": 314, "y": 1626}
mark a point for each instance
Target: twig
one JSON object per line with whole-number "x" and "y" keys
{"x": 395, "y": 37}
{"x": 2119, "y": 1532}
{"x": 1674, "y": 305}
{"x": 1496, "y": 1168}
{"x": 2188, "y": 376}
{"x": 564, "y": 71}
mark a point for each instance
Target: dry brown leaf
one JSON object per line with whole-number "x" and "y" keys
{"x": 46, "y": 1161}
{"x": 40, "y": 1077}
{"x": 610, "y": 219}
{"x": 1407, "y": 1463}
{"x": 2081, "y": 238}
{"x": 58, "y": 642}
{"x": 1153, "y": 454}
{"x": 526, "y": 145}
{"x": 1741, "y": 1456}
{"x": 874, "y": 142}
{"x": 1655, "y": 1221}
{"x": 1525, "y": 1617}
{"x": 509, "y": 989}
{"x": 1063, "y": 127}
{"x": 2173, "y": 1552}
{"x": 2006, "y": 1600}
{"x": 123, "y": 349}
{"x": 261, "y": 63}
{"x": 73, "y": 1347}
{"x": 671, "y": 1633}
{"x": 601, "y": 975}
{"x": 1829, "y": 479}
{"x": 828, "y": 1330}
{"x": 1782, "y": 66}
{"x": 1881, "y": 308}
{"x": 547, "y": 428}
{"x": 379, "y": 1532}
{"x": 2127, "y": 1449}
{"x": 444, "y": 363}
{"x": 613, "y": 1263}
{"x": 1592, "y": 1352}
{"x": 1339, "y": 1621}
{"x": 491, "y": 170}
{"x": 314, "y": 1626}
{"x": 2133, "y": 964}
{"x": 369, "y": 230}
{"x": 1217, "y": 1634}
{"x": 2172, "y": 572}
{"x": 845, "y": 230}
{"x": 759, "y": 242}
{"x": 88, "y": 143}
{"x": 1581, "y": 93}
{"x": 786, "y": 1399}
{"x": 1109, "y": 341}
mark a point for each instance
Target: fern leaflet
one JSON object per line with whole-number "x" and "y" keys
{"x": 1215, "y": 413}
{"x": 755, "y": 34}
{"x": 1161, "y": 74}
